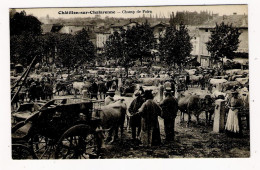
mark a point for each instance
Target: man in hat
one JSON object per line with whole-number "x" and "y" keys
{"x": 169, "y": 112}
{"x": 149, "y": 112}
{"x": 110, "y": 97}
{"x": 169, "y": 84}
{"x": 94, "y": 90}
{"x": 135, "y": 119}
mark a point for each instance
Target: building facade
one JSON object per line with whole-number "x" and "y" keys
{"x": 238, "y": 21}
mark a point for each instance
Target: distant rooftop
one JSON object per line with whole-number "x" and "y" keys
{"x": 159, "y": 24}
{"x": 46, "y": 28}
{"x": 240, "y": 21}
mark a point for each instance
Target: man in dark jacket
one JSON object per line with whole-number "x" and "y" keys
{"x": 149, "y": 112}
{"x": 169, "y": 111}
{"x": 94, "y": 90}
{"x": 135, "y": 119}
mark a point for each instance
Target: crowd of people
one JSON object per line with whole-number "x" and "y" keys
{"x": 143, "y": 109}
{"x": 144, "y": 112}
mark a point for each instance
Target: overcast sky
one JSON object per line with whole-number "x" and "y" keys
{"x": 124, "y": 11}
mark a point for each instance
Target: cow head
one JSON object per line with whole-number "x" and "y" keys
{"x": 206, "y": 103}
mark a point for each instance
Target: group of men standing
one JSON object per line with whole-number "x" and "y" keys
{"x": 144, "y": 113}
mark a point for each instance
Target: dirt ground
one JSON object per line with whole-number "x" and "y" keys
{"x": 196, "y": 141}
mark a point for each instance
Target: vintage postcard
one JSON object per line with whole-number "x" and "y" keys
{"x": 130, "y": 82}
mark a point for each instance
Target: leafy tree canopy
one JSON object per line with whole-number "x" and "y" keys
{"x": 224, "y": 40}
{"x": 20, "y": 23}
{"x": 127, "y": 46}
{"x": 175, "y": 45}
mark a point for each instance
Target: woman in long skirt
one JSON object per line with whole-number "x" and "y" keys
{"x": 233, "y": 124}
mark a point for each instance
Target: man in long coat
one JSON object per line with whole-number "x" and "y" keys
{"x": 169, "y": 112}
{"x": 149, "y": 112}
{"x": 135, "y": 120}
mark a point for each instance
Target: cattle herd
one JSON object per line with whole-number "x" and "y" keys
{"x": 195, "y": 90}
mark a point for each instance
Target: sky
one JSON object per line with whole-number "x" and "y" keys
{"x": 132, "y": 12}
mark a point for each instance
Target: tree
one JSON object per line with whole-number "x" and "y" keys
{"x": 224, "y": 40}
{"x": 74, "y": 50}
{"x": 117, "y": 47}
{"x": 85, "y": 48}
{"x": 25, "y": 40}
{"x": 25, "y": 47}
{"x": 50, "y": 41}
{"x": 66, "y": 51}
{"x": 20, "y": 23}
{"x": 141, "y": 40}
{"x": 129, "y": 45}
{"x": 175, "y": 45}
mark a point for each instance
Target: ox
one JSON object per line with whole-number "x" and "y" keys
{"x": 79, "y": 86}
{"x": 195, "y": 79}
{"x": 194, "y": 104}
{"x": 113, "y": 117}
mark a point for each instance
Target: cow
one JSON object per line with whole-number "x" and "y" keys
{"x": 189, "y": 104}
{"x": 195, "y": 79}
{"x": 48, "y": 91}
{"x": 229, "y": 85}
{"x": 79, "y": 86}
{"x": 208, "y": 106}
{"x": 64, "y": 87}
{"x": 113, "y": 117}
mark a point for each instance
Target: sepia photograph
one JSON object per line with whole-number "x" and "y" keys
{"x": 129, "y": 82}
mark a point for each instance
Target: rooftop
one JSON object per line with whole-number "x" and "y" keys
{"x": 240, "y": 21}
{"x": 46, "y": 28}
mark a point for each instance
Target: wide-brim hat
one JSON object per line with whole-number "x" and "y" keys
{"x": 148, "y": 94}
{"x": 111, "y": 91}
{"x": 168, "y": 89}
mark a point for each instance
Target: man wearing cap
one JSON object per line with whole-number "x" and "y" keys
{"x": 135, "y": 120}
{"x": 169, "y": 111}
{"x": 110, "y": 98}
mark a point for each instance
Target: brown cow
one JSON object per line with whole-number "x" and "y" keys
{"x": 112, "y": 117}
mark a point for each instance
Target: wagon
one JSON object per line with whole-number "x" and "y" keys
{"x": 61, "y": 129}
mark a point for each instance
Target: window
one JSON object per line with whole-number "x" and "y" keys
{"x": 207, "y": 30}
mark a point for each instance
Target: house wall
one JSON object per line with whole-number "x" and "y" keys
{"x": 243, "y": 38}
{"x": 101, "y": 39}
{"x": 195, "y": 46}
{"x": 204, "y": 35}
{"x": 70, "y": 29}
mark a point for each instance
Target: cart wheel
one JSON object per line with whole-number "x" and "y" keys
{"x": 42, "y": 147}
{"x": 78, "y": 142}
{"x": 20, "y": 151}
